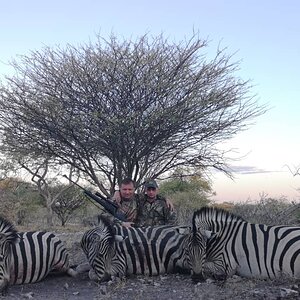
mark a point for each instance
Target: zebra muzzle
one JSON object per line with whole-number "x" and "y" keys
{"x": 106, "y": 277}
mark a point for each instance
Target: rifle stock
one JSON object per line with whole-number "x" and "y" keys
{"x": 105, "y": 203}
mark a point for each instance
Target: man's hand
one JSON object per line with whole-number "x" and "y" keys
{"x": 127, "y": 224}
{"x": 117, "y": 197}
{"x": 170, "y": 204}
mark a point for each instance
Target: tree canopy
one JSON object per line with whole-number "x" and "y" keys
{"x": 120, "y": 108}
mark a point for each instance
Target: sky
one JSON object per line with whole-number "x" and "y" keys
{"x": 263, "y": 35}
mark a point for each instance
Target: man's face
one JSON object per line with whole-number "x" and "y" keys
{"x": 151, "y": 192}
{"x": 127, "y": 191}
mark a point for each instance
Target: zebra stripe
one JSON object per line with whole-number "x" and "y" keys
{"x": 249, "y": 250}
{"x": 118, "y": 251}
{"x": 35, "y": 255}
{"x": 152, "y": 250}
{"x": 8, "y": 236}
{"x": 30, "y": 256}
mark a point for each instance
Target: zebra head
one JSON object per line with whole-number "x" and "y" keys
{"x": 195, "y": 251}
{"x": 99, "y": 246}
{"x": 8, "y": 236}
{"x": 219, "y": 222}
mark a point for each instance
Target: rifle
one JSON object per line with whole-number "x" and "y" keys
{"x": 108, "y": 205}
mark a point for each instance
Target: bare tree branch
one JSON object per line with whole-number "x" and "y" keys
{"x": 120, "y": 108}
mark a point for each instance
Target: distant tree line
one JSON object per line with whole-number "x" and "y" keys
{"x": 22, "y": 202}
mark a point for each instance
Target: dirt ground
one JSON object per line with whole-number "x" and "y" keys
{"x": 171, "y": 286}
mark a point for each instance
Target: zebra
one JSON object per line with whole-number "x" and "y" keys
{"x": 28, "y": 257}
{"x": 117, "y": 251}
{"x": 246, "y": 249}
{"x": 8, "y": 237}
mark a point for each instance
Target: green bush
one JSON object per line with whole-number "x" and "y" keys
{"x": 188, "y": 194}
{"x": 19, "y": 200}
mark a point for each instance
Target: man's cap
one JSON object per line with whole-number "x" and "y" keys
{"x": 151, "y": 184}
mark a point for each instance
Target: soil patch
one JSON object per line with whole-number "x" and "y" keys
{"x": 171, "y": 286}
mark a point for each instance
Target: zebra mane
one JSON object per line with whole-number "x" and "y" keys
{"x": 8, "y": 231}
{"x": 209, "y": 217}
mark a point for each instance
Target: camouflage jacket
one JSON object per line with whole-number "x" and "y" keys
{"x": 128, "y": 208}
{"x": 155, "y": 213}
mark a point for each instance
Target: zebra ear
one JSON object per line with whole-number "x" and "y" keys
{"x": 2, "y": 237}
{"x": 119, "y": 238}
{"x": 18, "y": 238}
{"x": 12, "y": 238}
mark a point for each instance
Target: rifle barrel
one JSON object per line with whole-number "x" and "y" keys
{"x": 108, "y": 205}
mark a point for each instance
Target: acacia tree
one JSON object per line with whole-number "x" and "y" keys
{"x": 125, "y": 108}
{"x": 48, "y": 185}
{"x": 67, "y": 203}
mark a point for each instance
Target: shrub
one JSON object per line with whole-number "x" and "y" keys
{"x": 269, "y": 211}
{"x": 188, "y": 194}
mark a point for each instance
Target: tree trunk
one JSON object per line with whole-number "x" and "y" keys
{"x": 49, "y": 216}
